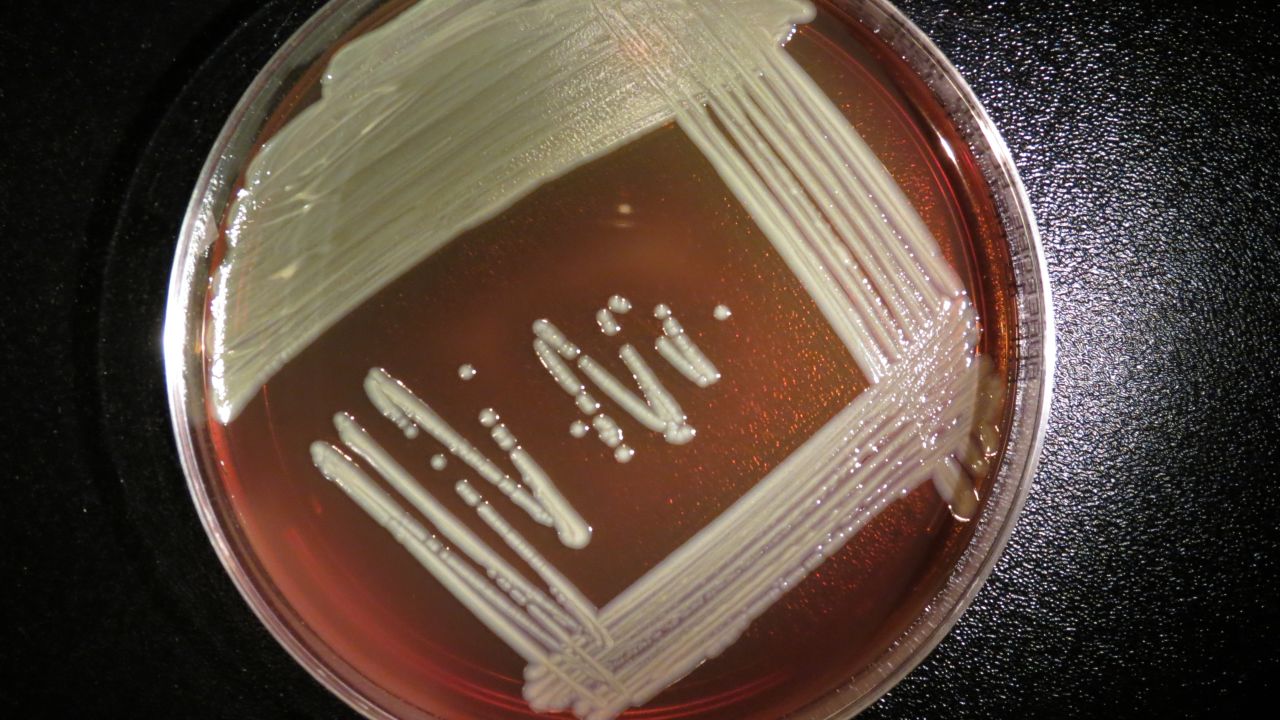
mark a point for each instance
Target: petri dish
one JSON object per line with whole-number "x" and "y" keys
{"x": 644, "y": 360}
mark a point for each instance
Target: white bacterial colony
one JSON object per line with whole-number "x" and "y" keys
{"x": 545, "y": 505}
{"x": 722, "y": 313}
{"x": 466, "y": 372}
{"x": 438, "y": 462}
{"x": 655, "y": 407}
{"x": 608, "y": 323}
{"x": 619, "y": 305}
{"x": 358, "y": 188}
{"x": 828, "y": 207}
{"x": 683, "y": 354}
{"x": 500, "y": 596}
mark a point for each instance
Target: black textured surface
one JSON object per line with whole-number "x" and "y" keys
{"x": 1141, "y": 581}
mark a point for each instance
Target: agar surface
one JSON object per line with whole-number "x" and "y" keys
{"x": 521, "y": 109}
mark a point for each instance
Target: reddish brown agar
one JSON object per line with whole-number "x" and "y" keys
{"x": 654, "y": 223}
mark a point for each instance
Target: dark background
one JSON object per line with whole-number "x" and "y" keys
{"x": 1140, "y": 582}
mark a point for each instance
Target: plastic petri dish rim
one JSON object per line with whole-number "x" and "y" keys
{"x": 1034, "y": 359}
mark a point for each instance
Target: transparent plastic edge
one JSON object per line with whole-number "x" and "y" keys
{"x": 199, "y": 230}
{"x": 183, "y": 320}
{"x": 996, "y": 523}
